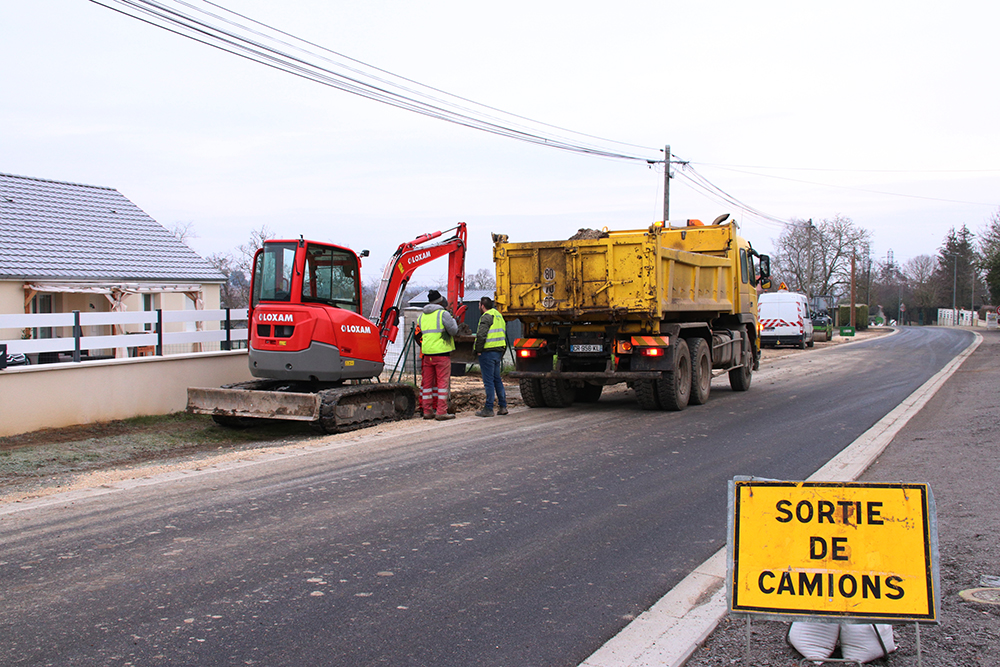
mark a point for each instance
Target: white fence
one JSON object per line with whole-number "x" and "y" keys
{"x": 966, "y": 318}
{"x": 219, "y": 335}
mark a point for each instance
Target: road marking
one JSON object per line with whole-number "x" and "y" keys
{"x": 670, "y": 631}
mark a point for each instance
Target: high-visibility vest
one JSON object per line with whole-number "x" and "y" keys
{"x": 436, "y": 340}
{"x": 497, "y": 335}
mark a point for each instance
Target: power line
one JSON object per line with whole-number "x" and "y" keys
{"x": 232, "y": 36}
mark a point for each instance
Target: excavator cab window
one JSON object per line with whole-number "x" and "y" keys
{"x": 331, "y": 276}
{"x": 273, "y": 267}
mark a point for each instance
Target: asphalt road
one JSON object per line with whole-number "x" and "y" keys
{"x": 522, "y": 540}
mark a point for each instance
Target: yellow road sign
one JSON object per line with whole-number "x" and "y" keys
{"x": 857, "y": 550}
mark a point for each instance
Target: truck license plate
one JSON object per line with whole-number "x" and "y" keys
{"x": 586, "y": 348}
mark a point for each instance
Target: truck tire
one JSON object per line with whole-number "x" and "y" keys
{"x": 739, "y": 378}
{"x": 589, "y": 393}
{"x": 645, "y": 393}
{"x": 531, "y": 392}
{"x": 557, "y": 393}
{"x": 674, "y": 388}
{"x": 701, "y": 371}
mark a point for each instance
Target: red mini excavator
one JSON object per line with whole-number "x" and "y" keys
{"x": 314, "y": 353}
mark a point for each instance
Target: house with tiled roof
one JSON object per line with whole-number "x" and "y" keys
{"x": 66, "y": 247}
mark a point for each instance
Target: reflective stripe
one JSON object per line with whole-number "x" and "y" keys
{"x": 436, "y": 339}
{"x": 497, "y": 335}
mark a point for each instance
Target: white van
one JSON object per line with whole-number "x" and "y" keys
{"x": 784, "y": 319}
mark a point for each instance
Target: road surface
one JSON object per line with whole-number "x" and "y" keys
{"x": 529, "y": 539}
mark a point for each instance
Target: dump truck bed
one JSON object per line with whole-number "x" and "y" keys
{"x": 659, "y": 273}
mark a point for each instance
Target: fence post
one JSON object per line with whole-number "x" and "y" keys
{"x": 228, "y": 345}
{"x": 159, "y": 332}
{"x": 77, "y": 333}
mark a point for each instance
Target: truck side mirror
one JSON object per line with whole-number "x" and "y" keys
{"x": 765, "y": 269}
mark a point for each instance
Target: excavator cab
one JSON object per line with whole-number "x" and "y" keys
{"x": 330, "y": 275}
{"x": 305, "y": 315}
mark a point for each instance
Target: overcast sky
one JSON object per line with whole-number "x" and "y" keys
{"x": 884, "y": 112}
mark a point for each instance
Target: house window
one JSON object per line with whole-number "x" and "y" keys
{"x": 148, "y": 305}
{"x": 41, "y": 303}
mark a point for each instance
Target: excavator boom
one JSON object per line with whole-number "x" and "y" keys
{"x": 407, "y": 259}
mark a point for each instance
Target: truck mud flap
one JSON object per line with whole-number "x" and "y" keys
{"x": 258, "y": 404}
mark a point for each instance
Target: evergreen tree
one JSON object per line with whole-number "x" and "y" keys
{"x": 957, "y": 271}
{"x": 989, "y": 253}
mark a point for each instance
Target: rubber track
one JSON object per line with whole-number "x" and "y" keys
{"x": 364, "y": 393}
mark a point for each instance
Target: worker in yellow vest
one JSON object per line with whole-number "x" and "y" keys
{"x": 491, "y": 342}
{"x": 436, "y": 331}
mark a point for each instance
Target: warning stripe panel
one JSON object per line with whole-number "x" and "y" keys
{"x": 650, "y": 341}
{"x": 529, "y": 343}
{"x": 781, "y": 323}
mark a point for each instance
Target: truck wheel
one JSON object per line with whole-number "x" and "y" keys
{"x": 589, "y": 393}
{"x": 701, "y": 371}
{"x": 531, "y": 392}
{"x": 674, "y": 388}
{"x": 645, "y": 393}
{"x": 739, "y": 378}
{"x": 802, "y": 343}
{"x": 557, "y": 393}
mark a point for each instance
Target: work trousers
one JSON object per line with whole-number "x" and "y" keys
{"x": 435, "y": 383}
{"x": 490, "y": 362}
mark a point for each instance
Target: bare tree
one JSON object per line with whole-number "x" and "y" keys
{"x": 245, "y": 253}
{"x": 235, "y": 292}
{"x": 815, "y": 258}
{"x": 184, "y": 231}
{"x": 919, "y": 272}
{"x": 482, "y": 279}
{"x": 237, "y": 267}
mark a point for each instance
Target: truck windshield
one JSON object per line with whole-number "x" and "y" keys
{"x": 272, "y": 272}
{"x": 332, "y": 277}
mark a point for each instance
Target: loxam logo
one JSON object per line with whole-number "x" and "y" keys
{"x": 354, "y": 328}
{"x": 274, "y": 317}
{"x": 417, "y": 258}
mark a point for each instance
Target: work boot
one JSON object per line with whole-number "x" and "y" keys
{"x": 428, "y": 415}
{"x": 502, "y": 410}
{"x": 485, "y": 412}
{"x": 446, "y": 416}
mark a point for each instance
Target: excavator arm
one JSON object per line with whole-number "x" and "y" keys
{"x": 407, "y": 259}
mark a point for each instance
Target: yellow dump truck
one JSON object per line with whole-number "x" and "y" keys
{"x": 658, "y": 308}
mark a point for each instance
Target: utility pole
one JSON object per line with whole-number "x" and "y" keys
{"x": 666, "y": 184}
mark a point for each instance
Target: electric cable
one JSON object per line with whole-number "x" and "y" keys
{"x": 267, "y": 50}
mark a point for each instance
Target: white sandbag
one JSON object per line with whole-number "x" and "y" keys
{"x": 814, "y": 641}
{"x": 866, "y": 642}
